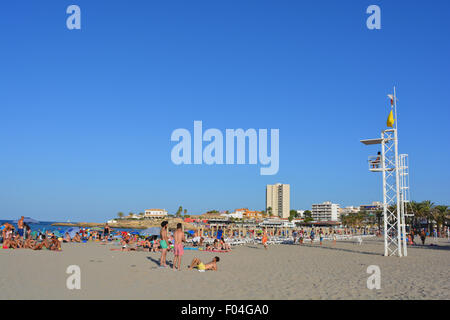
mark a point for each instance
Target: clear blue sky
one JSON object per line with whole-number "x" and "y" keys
{"x": 86, "y": 115}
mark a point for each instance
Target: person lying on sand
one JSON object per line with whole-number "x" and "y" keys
{"x": 126, "y": 245}
{"x": 196, "y": 263}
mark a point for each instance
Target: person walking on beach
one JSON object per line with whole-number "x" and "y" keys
{"x": 178, "y": 246}
{"x": 219, "y": 233}
{"x": 423, "y": 236}
{"x": 312, "y": 236}
{"x": 164, "y": 244}
{"x": 264, "y": 239}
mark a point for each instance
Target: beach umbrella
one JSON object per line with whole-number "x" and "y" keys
{"x": 27, "y": 220}
{"x": 154, "y": 231}
{"x": 57, "y": 234}
{"x": 72, "y": 231}
{"x": 135, "y": 232}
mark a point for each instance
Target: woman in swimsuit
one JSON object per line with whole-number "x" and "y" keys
{"x": 196, "y": 263}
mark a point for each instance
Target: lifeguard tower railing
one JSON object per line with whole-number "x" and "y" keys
{"x": 388, "y": 163}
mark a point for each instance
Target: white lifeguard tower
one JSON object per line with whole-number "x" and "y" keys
{"x": 395, "y": 173}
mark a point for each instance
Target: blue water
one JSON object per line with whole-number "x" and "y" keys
{"x": 43, "y": 226}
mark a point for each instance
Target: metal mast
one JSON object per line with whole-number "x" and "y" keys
{"x": 395, "y": 188}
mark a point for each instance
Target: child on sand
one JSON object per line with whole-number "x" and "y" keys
{"x": 264, "y": 239}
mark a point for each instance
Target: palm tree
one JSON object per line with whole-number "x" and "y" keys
{"x": 269, "y": 210}
{"x": 440, "y": 214}
{"x": 379, "y": 217}
{"x": 180, "y": 209}
{"x": 426, "y": 210}
{"x": 185, "y": 211}
{"x": 120, "y": 214}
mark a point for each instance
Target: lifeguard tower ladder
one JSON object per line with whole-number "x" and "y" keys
{"x": 395, "y": 173}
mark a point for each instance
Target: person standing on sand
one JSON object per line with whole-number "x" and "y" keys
{"x": 106, "y": 231}
{"x": 20, "y": 226}
{"x": 264, "y": 239}
{"x": 163, "y": 244}
{"x": 178, "y": 246}
{"x": 423, "y": 236}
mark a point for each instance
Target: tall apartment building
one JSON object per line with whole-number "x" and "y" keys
{"x": 326, "y": 211}
{"x": 278, "y": 198}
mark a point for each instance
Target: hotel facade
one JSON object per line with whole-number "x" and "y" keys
{"x": 278, "y": 199}
{"x": 326, "y": 211}
{"x": 155, "y": 213}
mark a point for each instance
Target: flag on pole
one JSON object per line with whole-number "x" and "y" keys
{"x": 391, "y": 97}
{"x": 390, "y": 120}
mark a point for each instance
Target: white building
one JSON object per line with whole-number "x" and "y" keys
{"x": 155, "y": 213}
{"x": 238, "y": 214}
{"x": 279, "y": 223}
{"x": 326, "y": 211}
{"x": 348, "y": 210}
{"x": 300, "y": 213}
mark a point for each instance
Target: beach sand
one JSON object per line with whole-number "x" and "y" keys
{"x": 248, "y": 272}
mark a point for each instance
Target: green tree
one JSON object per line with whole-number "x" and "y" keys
{"x": 120, "y": 215}
{"x": 269, "y": 210}
{"x": 439, "y": 215}
{"x": 379, "y": 217}
{"x": 308, "y": 220}
{"x": 307, "y": 213}
{"x": 180, "y": 209}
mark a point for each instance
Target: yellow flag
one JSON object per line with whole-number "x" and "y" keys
{"x": 390, "y": 120}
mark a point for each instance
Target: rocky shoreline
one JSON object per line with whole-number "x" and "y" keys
{"x": 128, "y": 224}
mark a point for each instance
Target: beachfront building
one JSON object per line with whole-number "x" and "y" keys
{"x": 133, "y": 216}
{"x": 375, "y": 206}
{"x": 155, "y": 213}
{"x": 326, "y": 211}
{"x": 277, "y": 223}
{"x": 300, "y": 213}
{"x": 348, "y": 210}
{"x": 250, "y": 214}
{"x": 244, "y": 213}
{"x": 278, "y": 200}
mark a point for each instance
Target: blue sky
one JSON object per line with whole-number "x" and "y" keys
{"x": 86, "y": 115}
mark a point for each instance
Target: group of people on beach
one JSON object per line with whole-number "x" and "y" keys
{"x": 178, "y": 240}
{"x": 21, "y": 238}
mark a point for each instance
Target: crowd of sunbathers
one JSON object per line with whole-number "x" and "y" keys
{"x": 152, "y": 244}
{"x": 21, "y": 239}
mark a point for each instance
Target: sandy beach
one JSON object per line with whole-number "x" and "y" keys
{"x": 248, "y": 272}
